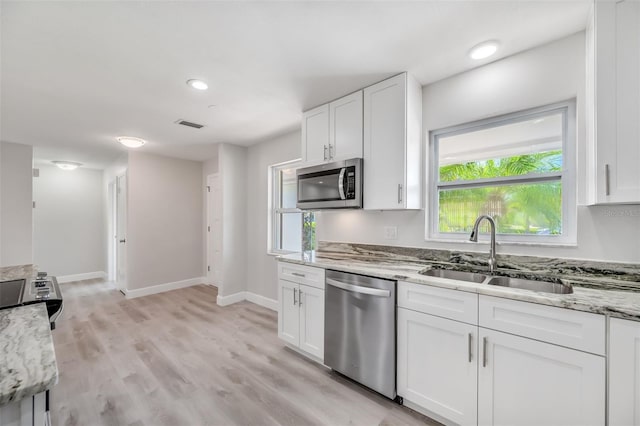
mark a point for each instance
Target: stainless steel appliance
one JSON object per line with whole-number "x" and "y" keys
{"x": 42, "y": 289}
{"x": 335, "y": 185}
{"x": 360, "y": 329}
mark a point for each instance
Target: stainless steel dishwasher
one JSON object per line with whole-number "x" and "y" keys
{"x": 360, "y": 329}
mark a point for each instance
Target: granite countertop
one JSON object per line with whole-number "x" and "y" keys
{"x": 588, "y": 298}
{"x": 27, "y": 358}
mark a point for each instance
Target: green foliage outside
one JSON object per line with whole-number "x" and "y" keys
{"x": 534, "y": 208}
{"x": 308, "y": 231}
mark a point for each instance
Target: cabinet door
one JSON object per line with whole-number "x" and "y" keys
{"x": 315, "y": 134}
{"x": 345, "y": 125}
{"x": 384, "y": 144}
{"x": 312, "y": 321}
{"x": 288, "y": 312}
{"x": 618, "y": 101}
{"x": 527, "y": 382}
{"x": 438, "y": 366}
{"x": 624, "y": 373}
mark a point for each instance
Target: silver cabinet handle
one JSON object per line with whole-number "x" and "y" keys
{"x": 123, "y": 241}
{"x": 607, "y": 184}
{"x": 298, "y": 274}
{"x": 358, "y": 289}
{"x": 470, "y": 340}
{"x": 295, "y": 296}
{"x": 299, "y": 297}
{"x": 325, "y": 152}
{"x": 484, "y": 351}
{"x": 399, "y": 193}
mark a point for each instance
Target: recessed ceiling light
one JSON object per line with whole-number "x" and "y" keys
{"x": 67, "y": 165}
{"x": 484, "y": 50}
{"x": 131, "y": 142}
{"x": 198, "y": 84}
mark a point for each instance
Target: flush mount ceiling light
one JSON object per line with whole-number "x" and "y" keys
{"x": 67, "y": 165}
{"x": 198, "y": 84}
{"x": 130, "y": 141}
{"x": 484, "y": 49}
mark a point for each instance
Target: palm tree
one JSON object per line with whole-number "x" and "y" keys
{"x": 518, "y": 208}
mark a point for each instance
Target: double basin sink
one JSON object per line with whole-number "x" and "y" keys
{"x": 502, "y": 281}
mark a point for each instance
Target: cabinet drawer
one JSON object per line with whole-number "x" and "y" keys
{"x": 307, "y": 275}
{"x": 452, "y": 304}
{"x": 574, "y": 329}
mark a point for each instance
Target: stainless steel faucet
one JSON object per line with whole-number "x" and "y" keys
{"x": 474, "y": 237}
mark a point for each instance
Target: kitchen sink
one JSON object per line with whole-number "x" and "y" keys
{"x": 455, "y": 275}
{"x": 542, "y": 286}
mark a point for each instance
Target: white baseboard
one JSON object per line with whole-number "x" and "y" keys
{"x": 161, "y": 288}
{"x": 79, "y": 277}
{"x": 249, "y": 296}
{"x": 262, "y": 301}
{"x": 232, "y": 298}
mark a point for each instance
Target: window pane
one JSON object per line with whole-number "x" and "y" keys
{"x": 517, "y": 209}
{"x": 514, "y": 149}
{"x": 288, "y": 188}
{"x": 290, "y": 231}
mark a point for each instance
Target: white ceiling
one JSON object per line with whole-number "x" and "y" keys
{"x": 76, "y": 74}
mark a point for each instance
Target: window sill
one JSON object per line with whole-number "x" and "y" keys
{"x": 276, "y": 253}
{"x": 483, "y": 242}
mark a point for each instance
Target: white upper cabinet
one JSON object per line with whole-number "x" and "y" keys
{"x": 345, "y": 127}
{"x": 614, "y": 102}
{"x": 333, "y": 131}
{"x": 624, "y": 373}
{"x": 315, "y": 134}
{"x": 392, "y": 127}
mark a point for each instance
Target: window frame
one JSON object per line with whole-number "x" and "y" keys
{"x": 275, "y": 209}
{"x": 567, "y": 177}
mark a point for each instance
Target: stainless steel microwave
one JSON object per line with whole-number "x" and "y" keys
{"x": 330, "y": 186}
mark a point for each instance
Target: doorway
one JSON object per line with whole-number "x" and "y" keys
{"x": 214, "y": 231}
{"x": 120, "y": 235}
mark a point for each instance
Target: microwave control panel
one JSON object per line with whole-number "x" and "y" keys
{"x": 350, "y": 183}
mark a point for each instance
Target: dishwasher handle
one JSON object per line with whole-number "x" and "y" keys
{"x": 358, "y": 289}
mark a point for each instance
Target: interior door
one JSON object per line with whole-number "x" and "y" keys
{"x": 214, "y": 231}
{"x": 121, "y": 232}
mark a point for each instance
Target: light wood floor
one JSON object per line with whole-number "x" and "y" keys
{"x": 177, "y": 358}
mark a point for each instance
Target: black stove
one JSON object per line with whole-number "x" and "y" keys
{"x": 42, "y": 289}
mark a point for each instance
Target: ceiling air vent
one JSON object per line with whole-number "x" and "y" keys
{"x": 189, "y": 124}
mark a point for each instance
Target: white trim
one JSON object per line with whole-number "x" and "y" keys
{"x": 250, "y": 297}
{"x": 161, "y": 288}
{"x": 232, "y": 298}
{"x": 80, "y": 277}
{"x": 262, "y": 301}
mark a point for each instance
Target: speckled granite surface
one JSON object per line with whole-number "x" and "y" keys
{"x": 27, "y": 358}
{"x": 603, "y": 288}
{"x": 8, "y": 273}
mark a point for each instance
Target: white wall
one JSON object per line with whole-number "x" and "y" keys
{"x": 68, "y": 235}
{"x": 540, "y": 76}
{"x": 16, "y": 182}
{"x": 232, "y": 171}
{"x": 262, "y": 271}
{"x": 164, "y": 221}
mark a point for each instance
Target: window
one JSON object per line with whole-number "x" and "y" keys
{"x": 291, "y": 230}
{"x": 518, "y": 168}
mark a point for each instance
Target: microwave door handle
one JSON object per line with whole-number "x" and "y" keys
{"x": 341, "y": 183}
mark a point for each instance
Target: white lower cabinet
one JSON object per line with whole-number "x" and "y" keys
{"x": 301, "y": 307}
{"x": 437, "y": 365}
{"x": 30, "y": 411}
{"x": 526, "y": 382}
{"x": 624, "y": 373}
